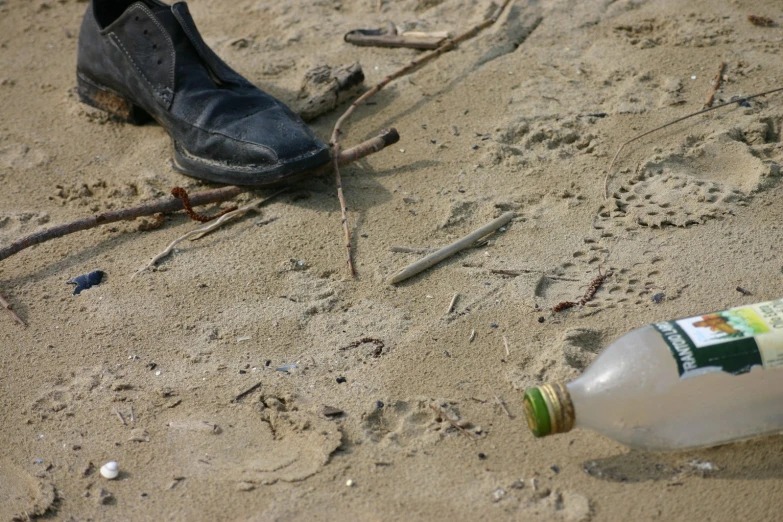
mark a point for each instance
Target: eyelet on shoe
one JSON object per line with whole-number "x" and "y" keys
{"x": 145, "y": 31}
{"x": 137, "y": 18}
{"x": 160, "y": 62}
{"x": 154, "y": 46}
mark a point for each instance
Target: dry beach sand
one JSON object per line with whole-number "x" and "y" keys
{"x": 501, "y": 124}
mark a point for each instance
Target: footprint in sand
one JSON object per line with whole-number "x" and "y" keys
{"x": 20, "y": 156}
{"x": 22, "y": 496}
{"x": 16, "y": 224}
{"x": 412, "y": 423}
{"x": 521, "y": 140}
{"x": 285, "y": 442}
{"x": 702, "y": 180}
{"x": 577, "y": 348}
{"x": 306, "y": 293}
{"x": 556, "y": 505}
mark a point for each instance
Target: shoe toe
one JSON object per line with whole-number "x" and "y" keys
{"x": 257, "y": 149}
{"x": 270, "y": 138}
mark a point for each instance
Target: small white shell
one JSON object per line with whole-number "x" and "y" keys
{"x": 110, "y": 470}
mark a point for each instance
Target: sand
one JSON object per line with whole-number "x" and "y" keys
{"x": 523, "y": 118}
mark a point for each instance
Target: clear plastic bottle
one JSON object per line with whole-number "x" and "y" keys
{"x": 673, "y": 385}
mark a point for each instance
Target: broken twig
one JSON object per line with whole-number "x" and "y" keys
{"x": 209, "y": 227}
{"x": 382, "y": 38}
{"x": 761, "y": 21}
{"x": 247, "y": 392}
{"x": 448, "y": 251}
{"x": 501, "y": 403}
{"x": 11, "y": 311}
{"x": 715, "y": 85}
{"x": 447, "y": 46}
{"x": 386, "y": 138}
{"x": 452, "y": 303}
{"x": 410, "y": 250}
{"x": 669, "y": 124}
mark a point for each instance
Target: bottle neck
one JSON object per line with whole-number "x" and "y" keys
{"x": 549, "y": 409}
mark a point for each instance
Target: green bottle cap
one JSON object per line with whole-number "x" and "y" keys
{"x": 537, "y": 412}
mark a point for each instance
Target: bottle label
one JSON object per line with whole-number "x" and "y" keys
{"x": 731, "y": 341}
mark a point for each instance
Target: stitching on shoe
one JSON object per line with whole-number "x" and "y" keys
{"x": 166, "y": 93}
{"x": 155, "y": 90}
{"x": 165, "y": 36}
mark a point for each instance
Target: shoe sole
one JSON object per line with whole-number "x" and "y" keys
{"x": 121, "y": 108}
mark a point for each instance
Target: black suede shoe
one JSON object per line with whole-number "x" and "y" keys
{"x": 146, "y": 59}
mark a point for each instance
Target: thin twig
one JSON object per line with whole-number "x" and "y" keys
{"x": 516, "y": 273}
{"x": 448, "y": 251}
{"x": 387, "y": 137}
{"x": 120, "y": 416}
{"x": 472, "y": 335}
{"x": 448, "y": 45}
{"x": 410, "y": 250}
{"x": 11, "y": 311}
{"x": 236, "y": 214}
{"x": 247, "y": 392}
{"x": 132, "y": 416}
{"x": 505, "y": 343}
{"x": 452, "y": 303}
{"x": 501, "y": 403}
{"x": 208, "y": 227}
{"x": 715, "y": 85}
{"x": 678, "y": 120}
{"x": 512, "y": 273}
{"x": 761, "y": 21}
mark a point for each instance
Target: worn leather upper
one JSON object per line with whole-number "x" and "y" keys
{"x": 153, "y": 54}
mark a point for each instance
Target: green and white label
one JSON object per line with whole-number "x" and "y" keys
{"x": 732, "y": 341}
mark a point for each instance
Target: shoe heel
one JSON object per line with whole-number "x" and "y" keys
{"x": 119, "y": 107}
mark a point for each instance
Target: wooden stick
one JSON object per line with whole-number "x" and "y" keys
{"x": 452, "y": 303}
{"x": 410, "y": 250}
{"x": 678, "y": 120}
{"x": 247, "y": 392}
{"x": 387, "y": 137}
{"x": 715, "y": 85}
{"x": 448, "y": 251}
{"x": 502, "y": 404}
{"x": 132, "y": 416}
{"x": 377, "y": 39}
{"x": 11, "y": 311}
{"x": 505, "y": 343}
{"x": 448, "y": 45}
{"x": 208, "y": 227}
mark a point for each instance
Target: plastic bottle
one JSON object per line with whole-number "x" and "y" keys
{"x": 673, "y": 385}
